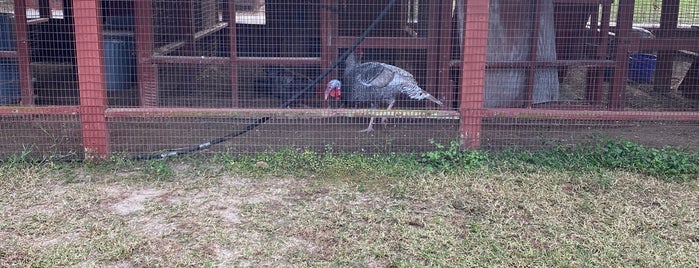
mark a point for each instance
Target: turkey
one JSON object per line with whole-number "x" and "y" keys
{"x": 281, "y": 83}
{"x": 370, "y": 83}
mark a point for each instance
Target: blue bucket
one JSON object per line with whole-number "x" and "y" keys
{"x": 641, "y": 68}
{"x": 119, "y": 61}
{"x": 9, "y": 82}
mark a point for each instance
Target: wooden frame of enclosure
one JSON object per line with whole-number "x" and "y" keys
{"x": 94, "y": 112}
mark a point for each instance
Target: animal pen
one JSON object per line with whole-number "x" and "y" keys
{"x": 151, "y": 78}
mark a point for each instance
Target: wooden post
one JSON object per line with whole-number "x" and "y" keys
{"x": 624, "y": 21}
{"x": 23, "y": 59}
{"x": 328, "y": 49}
{"x": 473, "y": 62}
{"x": 595, "y": 75}
{"x": 147, "y": 71}
{"x": 445, "y": 92}
{"x": 669, "y": 14}
{"x": 93, "y": 94}
{"x": 433, "y": 50}
{"x": 233, "y": 39}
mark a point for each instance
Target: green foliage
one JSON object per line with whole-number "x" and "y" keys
{"x": 159, "y": 170}
{"x": 452, "y": 158}
{"x": 667, "y": 163}
{"x": 556, "y": 158}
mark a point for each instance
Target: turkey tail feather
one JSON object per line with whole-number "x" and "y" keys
{"x": 435, "y": 100}
{"x": 415, "y": 92}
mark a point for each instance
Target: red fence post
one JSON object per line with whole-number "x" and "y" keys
{"x": 23, "y": 58}
{"x": 93, "y": 96}
{"x": 473, "y": 72}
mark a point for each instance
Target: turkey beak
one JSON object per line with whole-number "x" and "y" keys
{"x": 327, "y": 92}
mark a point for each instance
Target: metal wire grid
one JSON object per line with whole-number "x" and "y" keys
{"x": 139, "y": 135}
{"x": 271, "y": 29}
{"x": 536, "y": 134}
{"x": 563, "y": 58}
{"x": 41, "y": 137}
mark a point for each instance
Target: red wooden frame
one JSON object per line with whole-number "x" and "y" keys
{"x": 93, "y": 96}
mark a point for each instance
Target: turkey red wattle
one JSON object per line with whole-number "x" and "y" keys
{"x": 335, "y": 93}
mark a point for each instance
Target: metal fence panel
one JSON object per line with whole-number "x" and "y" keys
{"x": 149, "y": 77}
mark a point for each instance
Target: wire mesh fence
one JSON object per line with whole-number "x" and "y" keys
{"x": 42, "y": 136}
{"x": 143, "y": 77}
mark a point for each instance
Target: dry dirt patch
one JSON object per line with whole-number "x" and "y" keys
{"x": 134, "y": 201}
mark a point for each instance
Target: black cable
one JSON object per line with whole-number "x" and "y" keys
{"x": 286, "y": 104}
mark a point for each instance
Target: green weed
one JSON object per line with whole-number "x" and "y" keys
{"x": 667, "y": 163}
{"x": 452, "y": 158}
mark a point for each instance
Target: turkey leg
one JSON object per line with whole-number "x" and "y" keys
{"x": 390, "y": 105}
{"x": 370, "y": 128}
{"x": 383, "y": 119}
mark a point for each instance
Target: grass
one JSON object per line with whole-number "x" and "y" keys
{"x": 614, "y": 204}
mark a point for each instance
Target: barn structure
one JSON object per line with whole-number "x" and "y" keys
{"x": 140, "y": 76}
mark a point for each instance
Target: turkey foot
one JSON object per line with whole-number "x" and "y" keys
{"x": 370, "y": 128}
{"x": 390, "y": 105}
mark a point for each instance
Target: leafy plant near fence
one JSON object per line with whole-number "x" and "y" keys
{"x": 452, "y": 158}
{"x": 667, "y": 163}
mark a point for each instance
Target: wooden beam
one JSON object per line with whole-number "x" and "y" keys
{"x": 669, "y": 14}
{"x": 590, "y": 115}
{"x": 209, "y": 31}
{"x": 445, "y": 92}
{"x": 328, "y": 51}
{"x": 52, "y": 110}
{"x": 671, "y": 43}
{"x": 384, "y": 42}
{"x": 147, "y": 71}
{"x": 37, "y": 21}
{"x": 91, "y": 77}
{"x": 595, "y": 75}
{"x": 168, "y": 48}
{"x": 233, "y": 41}
{"x": 572, "y": 114}
{"x": 433, "y": 50}
{"x": 23, "y": 57}
{"x": 624, "y": 22}
{"x": 473, "y": 53}
{"x": 279, "y": 113}
{"x": 8, "y": 54}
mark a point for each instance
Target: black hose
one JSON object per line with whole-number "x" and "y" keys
{"x": 286, "y": 104}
